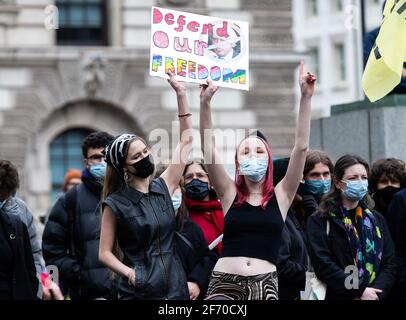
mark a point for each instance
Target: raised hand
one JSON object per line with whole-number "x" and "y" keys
{"x": 178, "y": 86}
{"x": 207, "y": 91}
{"x": 306, "y": 81}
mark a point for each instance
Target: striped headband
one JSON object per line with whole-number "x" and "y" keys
{"x": 114, "y": 155}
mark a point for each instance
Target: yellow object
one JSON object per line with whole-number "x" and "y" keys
{"x": 385, "y": 63}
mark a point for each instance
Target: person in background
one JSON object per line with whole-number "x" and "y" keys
{"x": 202, "y": 203}
{"x": 13, "y": 205}
{"x": 293, "y": 256}
{"x": 18, "y": 280}
{"x": 72, "y": 233}
{"x": 397, "y": 226}
{"x": 388, "y": 176}
{"x": 71, "y": 179}
{"x": 355, "y": 258}
{"x": 197, "y": 259}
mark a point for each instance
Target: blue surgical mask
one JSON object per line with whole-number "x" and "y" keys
{"x": 177, "y": 200}
{"x": 318, "y": 188}
{"x": 98, "y": 170}
{"x": 254, "y": 168}
{"x": 197, "y": 189}
{"x": 356, "y": 190}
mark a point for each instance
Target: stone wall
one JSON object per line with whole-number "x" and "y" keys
{"x": 43, "y": 86}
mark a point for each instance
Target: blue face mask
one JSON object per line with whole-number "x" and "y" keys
{"x": 318, "y": 188}
{"x": 254, "y": 168}
{"x": 197, "y": 190}
{"x": 356, "y": 190}
{"x": 177, "y": 200}
{"x": 98, "y": 170}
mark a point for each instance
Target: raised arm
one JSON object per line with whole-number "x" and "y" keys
{"x": 173, "y": 173}
{"x": 287, "y": 188}
{"x": 222, "y": 183}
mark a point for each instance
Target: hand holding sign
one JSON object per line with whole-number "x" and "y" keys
{"x": 207, "y": 91}
{"x": 178, "y": 86}
{"x": 196, "y": 48}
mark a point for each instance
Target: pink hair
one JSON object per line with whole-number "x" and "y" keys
{"x": 267, "y": 186}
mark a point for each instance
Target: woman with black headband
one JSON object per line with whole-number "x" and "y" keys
{"x": 138, "y": 224}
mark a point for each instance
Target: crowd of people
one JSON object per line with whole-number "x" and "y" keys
{"x": 127, "y": 229}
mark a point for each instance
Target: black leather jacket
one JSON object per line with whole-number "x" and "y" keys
{"x": 145, "y": 232}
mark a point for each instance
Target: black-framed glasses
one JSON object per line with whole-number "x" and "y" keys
{"x": 96, "y": 157}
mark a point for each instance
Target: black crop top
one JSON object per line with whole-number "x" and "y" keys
{"x": 250, "y": 231}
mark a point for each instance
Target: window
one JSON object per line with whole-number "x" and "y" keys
{"x": 338, "y": 5}
{"x": 65, "y": 153}
{"x": 339, "y": 62}
{"x": 314, "y": 65}
{"x": 82, "y": 22}
{"x": 312, "y": 9}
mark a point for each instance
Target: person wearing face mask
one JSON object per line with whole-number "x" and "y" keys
{"x": 197, "y": 259}
{"x": 202, "y": 203}
{"x": 137, "y": 239}
{"x": 388, "y": 176}
{"x": 355, "y": 258}
{"x": 316, "y": 183}
{"x": 71, "y": 236}
{"x": 255, "y": 210}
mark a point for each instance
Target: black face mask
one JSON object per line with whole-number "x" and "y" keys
{"x": 383, "y": 197}
{"x": 144, "y": 168}
{"x": 197, "y": 190}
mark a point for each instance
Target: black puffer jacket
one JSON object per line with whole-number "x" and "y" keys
{"x": 81, "y": 272}
{"x": 331, "y": 254}
{"x": 146, "y": 229}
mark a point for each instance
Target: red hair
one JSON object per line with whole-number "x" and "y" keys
{"x": 267, "y": 186}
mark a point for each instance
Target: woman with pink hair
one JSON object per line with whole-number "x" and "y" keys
{"x": 255, "y": 211}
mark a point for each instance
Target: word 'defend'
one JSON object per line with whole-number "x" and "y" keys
{"x": 192, "y": 26}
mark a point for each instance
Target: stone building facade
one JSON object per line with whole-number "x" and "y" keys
{"x": 48, "y": 88}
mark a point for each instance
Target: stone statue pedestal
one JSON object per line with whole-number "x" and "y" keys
{"x": 370, "y": 130}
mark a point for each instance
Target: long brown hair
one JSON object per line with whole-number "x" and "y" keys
{"x": 332, "y": 200}
{"x": 183, "y": 211}
{"x": 113, "y": 181}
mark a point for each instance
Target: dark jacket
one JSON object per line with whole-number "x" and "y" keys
{"x": 81, "y": 272}
{"x": 199, "y": 261}
{"x": 331, "y": 254}
{"x": 293, "y": 260}
{"x": 397, "y": 227}
{"x": 24, "y": 282}
{"x": 18, "y": 207}
{"x": 146, "y": 229}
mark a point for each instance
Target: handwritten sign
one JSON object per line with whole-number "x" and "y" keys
{"x": 196, "y": 48}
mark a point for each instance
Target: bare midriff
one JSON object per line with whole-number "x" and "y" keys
{"x": 244, "y": 266}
